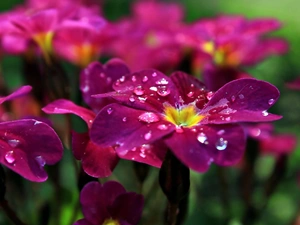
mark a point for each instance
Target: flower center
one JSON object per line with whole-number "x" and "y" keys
{"x": 185, "y": 116}
{"x": 84, "y": 54}
{"x": 111, "y": 222}
{"x": 44, "y": 41}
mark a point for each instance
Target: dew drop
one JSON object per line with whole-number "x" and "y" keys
{"x": 13, "y": 143}
{"x": 271, "y": 101}
{"x": 133, "y": 78}
{"x": 102, "y": 75}
{"x": 163, "y": 90}
{"x": 190, "y": 94}
{"x": 221, "y": 144}
{"x": 209, "y": 95}
{"x": 37, "y": 122}
{"x": 154, "y": 74}
{"x": 232, "y": 98}
{"x": 265, "y": 113}
{"x": 179, "y": 129}
{"x": 139, "y": 90}
{"x": 122, "y": 79}
{"x": 201, "y": 137}
{"x": 142, "y": 100}
{"x": 228, "y": 118}
{"x": 148, "y": 135}
{"x": 40, "y": 160}
{"x": 9, "y": 157}
{"x": 221, "y": 132}
{"x": 145, "y": 79}
{"x": 162, "y": 81}
{"x": 86, "y": 88}
{"x": 142, "y": 155}
{"x": 124, "y": 119}
{"x": 131, "y": 98}
{"x": 149, "y": 117}
{"x": 162, "y": 127}
{"x": 241, "y": 96}
{"x": 153, "y": 88}
{"x": 109, "y": 111}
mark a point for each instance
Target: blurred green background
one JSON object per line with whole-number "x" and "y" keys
{"x": 30, "y": 200}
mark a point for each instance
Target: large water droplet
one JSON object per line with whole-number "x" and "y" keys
{"x": 149, "y": 117}
{"x": 9, "y": 157}
{"x": 265, "y": 113}
{"x": 109, "y": 110}
{"x": 271, "y": 101}
{"x": 163, "y": 90}
{"x": 221, "y": 144}
{"x": 148, "y": 135}
{"x": 139, "y": 90}
{"x": 162, "y": 81}
{"x": 13, "y": 142}
{"x": 201, "y": 137}
{"x": 40, "y": 160}
{"x": 145, "y": 79}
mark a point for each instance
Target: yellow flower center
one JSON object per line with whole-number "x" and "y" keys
{"x": 44, "y": 41}
{"x": 185, "y": 116}
{"x": 111, "y": 222}
{"x": 84, "y": 54}
{"x": 223, "y": 55}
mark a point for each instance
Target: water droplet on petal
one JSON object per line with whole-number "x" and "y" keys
{"x": 37, "y": 122}
{"x": 162, "y": 127}
{"x": 221, "y": 144}
{"x": 163, "y": 90}
{"x": 190, "y": 94}
{"x": 149, "y": 117}
{"x": 124, "y": 119}
{"x": 162, "y": 81}
{"x": 201, "y": 137}
{"x": 271, "y": 101}
{"x": 232, "y": 98}
{"x": 109, "y": 111}
{"x": 133, "y": 78}
{"x": 40, "y": 160}
{"x": 241, "y": 96}
{"x": 122, "y": 79}
{"x": 179, "y": 129}
{"x": 209, "y": 95}
{"x": 221, "y": 132}
{"x": 131, "y": 98}
{"x": 265, "y": 113}
{"x": 139, "y": 90}
{"x": 142, "y": 155}
{"x": 13, "y": 143}
{"x": 86, "y": 88}
{"x": 148, "y": 135}
{"x": 153, "y": 88}
{"x": 228, "y": 118}
{"x": 102, "y": 75}
{"x": 145, "y": 79}
{"x": 142, "y": 100}
{"x": 9, "y": 157}
{"x": 154, "y": 74}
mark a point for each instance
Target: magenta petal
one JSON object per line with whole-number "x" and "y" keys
{"x": 18, "y": 93}
{"x": 96, "y": 79}
{"x": 242, "y": 100}
{"x": 151, "y": 154}
{"x": 128, "y": 207}
{"x": 28, "y": 145}
{"x": 294, "y": 85}
{"x": 79, "y": 143}
{"x": 279, "y": 144}
{"x": 146, "y": 89}
{"x": 63, "y": 106}
{"x": 83, "y": 222}
{"x": 261, "y": 26}
{"x": 98, "y": 161}
{"x": 120, "y": 126}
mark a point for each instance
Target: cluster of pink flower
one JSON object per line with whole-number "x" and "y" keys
{"x": 141, "y": 115}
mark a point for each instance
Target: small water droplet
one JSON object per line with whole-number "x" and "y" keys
{"x": 265, "y": 113}
{"x": 221, "y": 144}
{"x": 232, "y": 98}
{"x": 122, "y": 79}
{"x": 209, "y": 95}
{"x": 142, "y": 100}
{"x": 131, "y": 98}
{"x": 241, "y": 96}
{"x": 124, "y": 119}
{"x": 86, "y": 88}
{"x": 179, "y": 129}
{"x": 109, "y": 111}
{"x": 271, "y": 101}
{"x": 149, "y": 117}
{"x": 13, "y": 142}
{"x": 221, "y": 132}
{"x": 145, "y": 79}
{"x": 9, "y": 157}
{"x": 102, "y": 75}
{"x": 142, "y": 155}
{"x": 201, "y": 137}
{"x": 148, "y": 135}
{"x": 163, "y": 90}
{"x": 162, "y": 81}
{"x": 153, "y": 88}
{"x": 40, "y": 160}
{"x": 154, "y": 74}
{"x": 162, "y": 127}
{"x": 190, "y": 94}
{"x": 37, "y": 122}
{"x": 139, "y": 90}
{"x": 228, "y": 118}
{"x": 133, "y": 78}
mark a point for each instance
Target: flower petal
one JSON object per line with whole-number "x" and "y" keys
{"x": 121, "y": 126}
{"x": 82, "y": 222}
{"x": 96, "y": 79}
{"x": 63, "y": 106}
{"x": 242, "y": 100}
{"x": 27, "y": 145}
{"x": 279, "y": 144}
{"x": 18, "y": 93}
